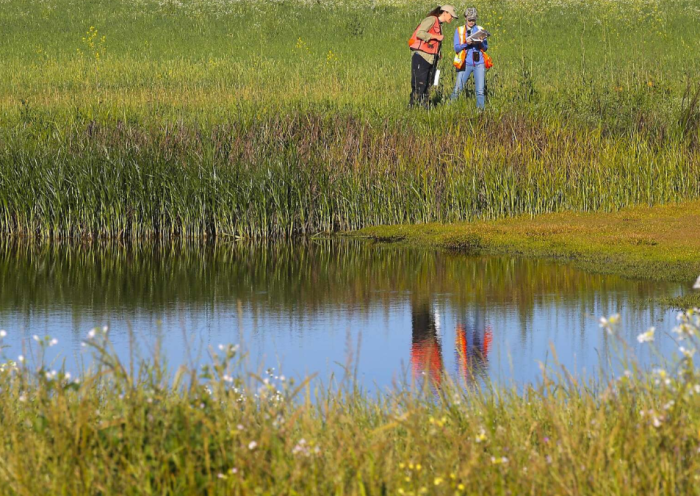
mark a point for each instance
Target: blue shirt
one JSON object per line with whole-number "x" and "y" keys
{"x": 476, "y": 46}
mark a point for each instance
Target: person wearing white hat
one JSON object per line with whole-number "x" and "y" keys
{"x": 425, "y": 50}
{"x": 469, "y": 58}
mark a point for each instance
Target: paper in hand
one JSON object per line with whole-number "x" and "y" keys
{"x": 480, "y": 35}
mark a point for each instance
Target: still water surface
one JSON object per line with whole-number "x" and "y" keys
{"x": 324, "y": 307}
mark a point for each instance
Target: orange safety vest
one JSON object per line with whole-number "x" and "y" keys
{"x": 426, "y": 356}
{"x": 430, "y": 47}
{"x": 461, "y": 57}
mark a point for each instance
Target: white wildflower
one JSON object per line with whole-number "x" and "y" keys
{"x": 301, "y": 448}
{"x": 609, "y": 323}
{"x": 686, "y": 352}
{"x": 647, "y": 337}
{"x": 252, "y": 445}
{"x": 689, "y": 324}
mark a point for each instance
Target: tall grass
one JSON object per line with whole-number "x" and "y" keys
{"x": 134, "y": 428}
{"x": 304, "y": 173}
{"x": 140, "y": 118}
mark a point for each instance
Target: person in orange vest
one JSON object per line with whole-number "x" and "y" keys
{"x": 469, "y": 58}
{"x": 425, "y": 48}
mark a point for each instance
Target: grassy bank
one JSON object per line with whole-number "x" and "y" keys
{"x": 658, "y": 243}
{"x": 137, "y": 118}
{"x": 126, "y": 429}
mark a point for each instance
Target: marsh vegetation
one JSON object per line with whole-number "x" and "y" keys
{"x": 138, "y": 118}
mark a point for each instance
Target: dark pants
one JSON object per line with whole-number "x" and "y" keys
{"x": 421, "y": 74}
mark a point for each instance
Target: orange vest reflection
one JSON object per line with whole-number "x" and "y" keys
{"x": 472, "y": 345}
{"x": 426, "y": 351}
{"x": 472, "y": 342}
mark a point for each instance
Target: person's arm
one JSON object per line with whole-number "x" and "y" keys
{"x": 485, "y": 45}
{"x": 423, "y": 27}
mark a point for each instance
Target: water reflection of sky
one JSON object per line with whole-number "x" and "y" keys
{"x": 390, "y": 314}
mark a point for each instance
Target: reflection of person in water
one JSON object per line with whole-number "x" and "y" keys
{"x": 426, "y": 351}
{"x": 472, "y": 342}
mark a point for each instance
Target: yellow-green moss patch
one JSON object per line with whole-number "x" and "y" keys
{"x": 659, "y": 243}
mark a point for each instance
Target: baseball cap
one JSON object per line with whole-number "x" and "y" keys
{"x": 450, "y": 10}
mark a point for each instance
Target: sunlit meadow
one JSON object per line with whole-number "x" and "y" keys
{"x": 201, "y": 118}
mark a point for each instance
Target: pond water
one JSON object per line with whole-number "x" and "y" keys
{"x": 382, "y": 312}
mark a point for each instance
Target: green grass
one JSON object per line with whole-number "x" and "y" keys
{"x": 594, "y": 58}
{"x": 307, "y": 173}
{"x": 134, "y": 429}
{"x": 249, "y": 119}
{"x": 657, "y": 243}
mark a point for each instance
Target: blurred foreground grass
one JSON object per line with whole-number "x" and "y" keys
{"x": 134, "y": 428}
